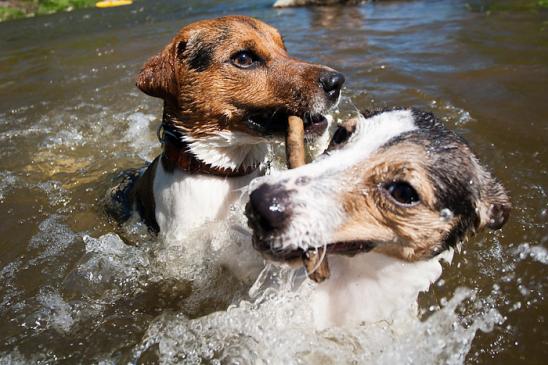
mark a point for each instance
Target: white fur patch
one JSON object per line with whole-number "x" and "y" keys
{"x": 185, "y": 201}
{"x": 372, "y": 287}
{"x": 229, "y": 149}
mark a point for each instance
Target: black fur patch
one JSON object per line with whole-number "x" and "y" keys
{"x": 450, "y": 170}
{"x": 181, "y": 47}
{"x": 200, "y": 56}
{"x": 366, "y": 113}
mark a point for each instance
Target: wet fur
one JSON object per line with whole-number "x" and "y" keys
{"x": 341, "y": 199}
{"x": 208, "y": 103}
{"x": 392, "y": 145}
{"x": 204, "y": 94}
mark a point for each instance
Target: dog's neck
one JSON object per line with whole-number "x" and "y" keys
{"x": 372, "y": 287}
{"x": 222, "y": 153}
{"x": 177, "y": 155}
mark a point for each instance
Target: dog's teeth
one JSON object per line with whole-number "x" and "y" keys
{"x": 316, "y": 265}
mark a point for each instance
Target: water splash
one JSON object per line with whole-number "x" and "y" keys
{"x": 536, "y": 252}
{"x": 277, "y": 328}
{"x": 140, "y": 135}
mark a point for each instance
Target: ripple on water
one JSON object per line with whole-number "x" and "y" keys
{"x": 7, "y": 181}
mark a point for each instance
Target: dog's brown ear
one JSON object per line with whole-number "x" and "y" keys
{"x": 157, "y": 77}
{"x": 494, "y": 204}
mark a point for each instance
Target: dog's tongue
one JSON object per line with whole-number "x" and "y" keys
{"x": 315, "y": 261}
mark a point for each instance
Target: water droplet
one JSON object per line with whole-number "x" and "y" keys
{"x": 523, "y": 290}
{"x": 276, "y": 207}
{"x": 446, "y": 214}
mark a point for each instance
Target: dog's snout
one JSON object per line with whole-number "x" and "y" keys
{"x": 270, "y": 206}
{"x": 332, "y": 83}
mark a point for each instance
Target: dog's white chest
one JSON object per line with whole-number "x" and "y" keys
{"x": 185, "y": 201}
{"x": 371, "y": 287}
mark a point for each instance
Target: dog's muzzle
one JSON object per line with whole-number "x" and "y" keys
{"x": 272, "y": 120}
{"x": 268, "y": 215}
{"x": 268, "y": 208}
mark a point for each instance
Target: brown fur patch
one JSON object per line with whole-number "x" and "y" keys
{"x": 205, "y": 93}
{"x": 410, "y": 232}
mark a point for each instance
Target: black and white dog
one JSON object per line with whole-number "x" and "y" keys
{"x": 394, "y": 193}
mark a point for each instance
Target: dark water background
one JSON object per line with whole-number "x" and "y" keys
{"x": 70, "y": 117}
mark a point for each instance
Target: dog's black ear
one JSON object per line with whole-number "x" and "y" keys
{"x": 342, "y": 134}
{"x": 157, "y": 77}
{"x": 494, "y": 204}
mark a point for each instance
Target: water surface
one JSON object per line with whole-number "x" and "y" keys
{"x": 70, "y": 117}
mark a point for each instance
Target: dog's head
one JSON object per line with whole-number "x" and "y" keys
{"x": 234, "y": 73}
{"x": 398, "y": 182}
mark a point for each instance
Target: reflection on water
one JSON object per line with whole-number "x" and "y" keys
{"x": 73, "y": 288}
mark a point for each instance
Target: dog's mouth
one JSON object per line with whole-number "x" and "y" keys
{"x": 347, "y": 248}
{"x": 270, "y": 241}
{"x": 275, "y": 123}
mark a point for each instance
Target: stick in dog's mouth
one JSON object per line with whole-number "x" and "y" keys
{"x": 275, "y": 123}
{"x": 315, "y": 260}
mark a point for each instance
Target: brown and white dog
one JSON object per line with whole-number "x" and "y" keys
{"x": 396, "y": 184}
{"x": 228, "y": 86}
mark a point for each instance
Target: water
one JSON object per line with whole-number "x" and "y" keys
{"x": 77, "y": 288}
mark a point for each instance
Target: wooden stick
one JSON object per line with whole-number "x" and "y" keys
{"x": 294, "y": 142}
{"x": 315, "y": 261}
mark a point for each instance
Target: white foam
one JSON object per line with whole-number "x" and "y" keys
{"x": 109, "y": 269}
{"x": 66, "y": 137}
{"x": 55, "y": 310}
{"x": 56, "y": 193}
{"x": 13, "y": 358}
{"x": 7, "y": 181}
{"x": 277, "y": 329}
{"x": 53, "y": 237}
{"x": 535, "y": 252}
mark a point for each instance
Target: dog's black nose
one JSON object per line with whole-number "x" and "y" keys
{"x": 332, "y": 82}
{"x": 269, "y": 207}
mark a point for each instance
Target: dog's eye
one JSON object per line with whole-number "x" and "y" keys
{"x": 244, "y": 59}
{"x": 402, "y": 192}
